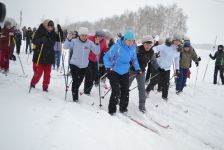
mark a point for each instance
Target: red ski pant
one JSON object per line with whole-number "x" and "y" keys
{"x": 38, "y": 71}
{"x": 4, "y": 59}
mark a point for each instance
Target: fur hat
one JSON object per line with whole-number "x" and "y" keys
{"x": 147, "y": 39}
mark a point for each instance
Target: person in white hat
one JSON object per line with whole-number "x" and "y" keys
{"x": 81, "y": 48}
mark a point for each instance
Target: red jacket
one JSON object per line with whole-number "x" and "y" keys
{"x": 5, "y": 44}
{"x": 103, "y": 48}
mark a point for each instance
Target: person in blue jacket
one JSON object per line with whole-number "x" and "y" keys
{"x": 117, "y": 62}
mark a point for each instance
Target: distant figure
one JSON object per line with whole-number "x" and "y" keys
{"x": 219, "y": 63}
{"x": 29, "y": 33}
{"x": 18, "y": 39}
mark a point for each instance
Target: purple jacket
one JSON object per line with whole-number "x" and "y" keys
{"x": 57, "y": 46}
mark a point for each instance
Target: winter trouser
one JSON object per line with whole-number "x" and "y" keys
{"x": 4, "y": 59}
{"x": 181, "y": 79}
{"x": 164, "y": 78}
{"x": 57, "y": 56}
{"x": 141, "y": 88}
{"x": 154, "y": 79}
{"x": 149, "y": 71}
{"x": 77, "y": 78}
{"x": 28, "y": 44}
{"x": 220, "y": 69}
{"x": 120, "y": 89}
{"x": 18, "y": 48}
{"x": 90, "y": 77}
{"x": 39, "y": 69}
{"x": 102, "y": 71}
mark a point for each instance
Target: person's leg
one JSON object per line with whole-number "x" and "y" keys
{"x": 115, "y": 92}
{"x": 38, "y": 71}
{"x": 47, "y": 76}
{"x": 88, "y": 83}
{"x": 179, "y": 81}
{"x": 215, "y": 74}
{"x": 221, "y": 75}
{"x": 185, "y": 71}
{"x": 124, "y": 99}
{"x": 75, "y": 82}
{"x": 141, "y": 91}
{"x": 166, "y": 83}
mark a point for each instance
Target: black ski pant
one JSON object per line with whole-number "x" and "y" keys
{"x": 90, "y": 76}
{"x": 77, "y": 78}
{"x": 219, "y": 69}
{"x": 164, "y": 79}
{"x": 120, "y": 89}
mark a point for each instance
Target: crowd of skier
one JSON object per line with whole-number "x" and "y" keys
{"x": 95, "y": 58}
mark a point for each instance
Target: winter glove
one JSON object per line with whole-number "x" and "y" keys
{"x": 161, "y": 70}
{"x": 11, "y": 34}
{"x": 177, "y": 72}
{"x": 108, "y": 70}
{"x": 210, "y": 55}
{"x": 158, "y": 55}
{"x": 197, "y": 63}
{"x": 59, "y": 27}
{"x": 199, "y": 58}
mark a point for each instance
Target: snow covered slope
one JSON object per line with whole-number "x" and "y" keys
{"x": 45, "y": 121}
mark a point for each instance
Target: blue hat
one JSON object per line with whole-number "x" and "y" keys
{"x": 187, "y": 44}
{"x": 129, "y": 36}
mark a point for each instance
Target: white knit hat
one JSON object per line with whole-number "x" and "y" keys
{"x": 83, "y": 31}
{"x": 147, "y": 38}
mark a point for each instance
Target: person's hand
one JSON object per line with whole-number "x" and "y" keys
{"x": 97, "y": 40}
{"x": 177, "y": 72}
{"x": 199, "y": 58}
{"x": 11, "y": 34}
{"x": 196, "y": 63}
{"x": 108, "y": 70}
{"x": 210, "y": 55}
{"x": 139, "y": 72}
{"x": 161, "y": 70}
{"x": 70, "y": 36}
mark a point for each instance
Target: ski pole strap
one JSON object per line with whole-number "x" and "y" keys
{"x": 41, "y": 49}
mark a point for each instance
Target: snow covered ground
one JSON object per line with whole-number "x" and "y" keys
{"x": 45, "y": 121}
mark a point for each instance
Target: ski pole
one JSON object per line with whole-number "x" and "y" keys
{"x": 196, "y": 79}
{"x": 149, "y": 79}
{"x": 63, "y": 65}
{"x": 38, "y": 60}
{"x": 134, "y": 74}
{"x": 19, "y": 57}
{"x": 209, "y": 59}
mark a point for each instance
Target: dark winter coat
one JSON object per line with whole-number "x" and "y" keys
{"x": 29, "y": 35}
{"x": 144, "y": 57}
{"x": 18, "y": 38}
{"x": 186, "y": 57}
{"x": 42, "y": 36}
{"x": 219, "y": 56}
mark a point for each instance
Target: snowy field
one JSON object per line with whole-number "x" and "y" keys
{"x": 45, "y": 121}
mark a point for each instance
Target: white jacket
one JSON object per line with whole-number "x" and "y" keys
{"x": 167, "y": 54}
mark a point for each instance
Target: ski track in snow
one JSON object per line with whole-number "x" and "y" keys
{"x": 45, "y": 121}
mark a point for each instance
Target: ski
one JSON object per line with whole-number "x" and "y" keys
{"x": 163, "y": 125}
{"x": 140, "y": 123}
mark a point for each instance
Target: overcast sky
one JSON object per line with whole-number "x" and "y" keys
{"x": 205, "y": 17}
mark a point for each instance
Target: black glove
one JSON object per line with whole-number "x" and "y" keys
{"x": 108, "y": 70}
{"x": 196, "y": 63}
{"x": 199, "y": 58}
{"x": 177, "y": 72}
{"x": 59, "y": 27}
{"x": 210, "y": 55}
{"x": 161, "y": 70}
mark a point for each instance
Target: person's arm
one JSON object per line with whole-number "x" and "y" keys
{"x": 110, "y": 57}
{"x": 135, "y": 61}
{"x": 95, "y": 48}
{"x": 177, "y": 61}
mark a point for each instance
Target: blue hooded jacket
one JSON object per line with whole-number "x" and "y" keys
{"x": 119, "y": 56}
